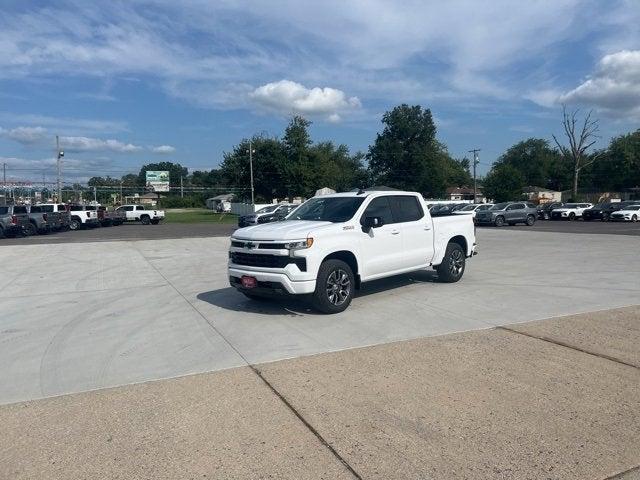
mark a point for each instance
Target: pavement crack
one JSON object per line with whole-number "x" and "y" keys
{"x": 257, "y": 372}
{"x": 567, "y": 345}
{"x": 622, "y": 475}
{"x": 306, "y": 423}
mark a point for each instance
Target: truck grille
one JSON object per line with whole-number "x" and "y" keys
{"x": 266, "y": 261}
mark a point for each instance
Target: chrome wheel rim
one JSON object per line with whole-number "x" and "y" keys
{"x": 456, "y": 262}
{"x": 338, "y": 287}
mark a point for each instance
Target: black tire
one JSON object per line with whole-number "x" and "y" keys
{"x": 530, "y": 221}
{"x": 511, "y": 224}
{"x": 334, "y": 287}
{"x": 75, "y": 224}
{"x": 145, "y": 220}
{"x": 586, "y": 219}
{"x": 31, "y": 229}
{"x": 572, "y": 216}
{"x": 155, "y": 221}
{"x": 499, "y": 221}
{"x": 634, "y": 218}
{"x": 453, "y": 264}
{"x": 1, "y": 232}
{"x": 605, "y": 217}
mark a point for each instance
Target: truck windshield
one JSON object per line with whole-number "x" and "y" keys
{"x": 330, "y": 209}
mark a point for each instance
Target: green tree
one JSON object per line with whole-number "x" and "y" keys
{"x": 103, "y": 182}
{"x": 407, "y": 155}
{"x": 298, "y": 170}
{"x": 536, "y": 161}
{"x": 618, "y": 166}
{"x": 131, "y": 180}
{"x": 503, "y": 183}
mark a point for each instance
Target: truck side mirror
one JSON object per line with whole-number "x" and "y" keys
{"x": 372, "y": 222}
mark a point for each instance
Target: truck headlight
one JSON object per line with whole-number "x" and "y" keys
{"x": 299, "y": 244}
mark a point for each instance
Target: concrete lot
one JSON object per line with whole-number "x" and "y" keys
{"x": 86, "y": 316}
{"x": 489, "y": 404}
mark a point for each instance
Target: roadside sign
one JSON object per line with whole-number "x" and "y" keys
{"x": 157, "y": 180}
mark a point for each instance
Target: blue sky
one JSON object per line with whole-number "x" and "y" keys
{"x": 131, "y": 82}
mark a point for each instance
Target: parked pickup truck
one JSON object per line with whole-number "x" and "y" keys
{"x": 41, "y": 221}
{"x": 142, "y": 214}
{"x": 81, "y": 217}
{"x": 332, "y": 243}
{"x": 61, "y": 210}
{"x": 14, "y": 220}
{"x": 108, "y": 217}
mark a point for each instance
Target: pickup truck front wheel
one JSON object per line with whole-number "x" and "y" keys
{"x": 452, "y": 267}
{"x": 334, "y": 287}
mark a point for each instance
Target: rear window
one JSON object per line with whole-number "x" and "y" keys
{"x": 36, "y": 209}
{"x": 406, "y": 208}
{"x": 20, "y": 209}
{"x": 4, "y": 210}
{"x": 76, "y": 208}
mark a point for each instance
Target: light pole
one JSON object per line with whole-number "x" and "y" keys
{"x": 475, "y": 163}
{"x": 251, "y": 151}
{"x": 60, "y": 154}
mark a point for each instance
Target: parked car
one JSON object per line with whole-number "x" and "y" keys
{"x": 602, "y": 211}
{"x": 544, "y": 209}
{"x": 629, "y": 213}
{"x": 41, "y": 221}
{"x": 443, "y": 209}
{"x": 271, "y": 212}
{"x": 81, "y": 217}
{"x": 60, "y": 209}
{"x": 472, "y": 208}
{"x": 332, "y": 243}
{"x": 277, "y": 216}
{"x": 14, "y": 220}
{"x": 570, "y": 211}
{"x": 508, "y": 213}
{"x": 142, "y": 214}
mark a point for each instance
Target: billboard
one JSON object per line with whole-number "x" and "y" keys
{"x": 158, "y": 180}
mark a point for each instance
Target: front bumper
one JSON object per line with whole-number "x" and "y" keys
{"x": 271, "y": 281}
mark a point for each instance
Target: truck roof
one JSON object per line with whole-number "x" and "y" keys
{"x": 366, "y": 193}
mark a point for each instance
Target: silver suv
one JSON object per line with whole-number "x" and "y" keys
{"x": 508, "y": 213}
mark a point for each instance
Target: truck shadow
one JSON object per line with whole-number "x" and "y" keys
{"x": 230, "y": 299}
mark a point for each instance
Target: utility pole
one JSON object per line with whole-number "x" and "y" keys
{"x": 59, "y": 155}
{"x": 121, "y": 202}
{"x": 95, "y": 195}
{"x": 181, "y": 188}
{"x": 251, "y": 152}
{"x": 475, "y": 163}
{"x": 4, "y": 175}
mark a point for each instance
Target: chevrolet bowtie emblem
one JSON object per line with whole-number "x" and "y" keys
{"x": 249, "y": 245}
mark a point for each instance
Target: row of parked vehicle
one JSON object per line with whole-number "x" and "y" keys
{"x": 627, "y": 211}
{"x": 45, "y": 218}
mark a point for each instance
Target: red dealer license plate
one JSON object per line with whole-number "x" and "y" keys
{"x": 249, "y": 282}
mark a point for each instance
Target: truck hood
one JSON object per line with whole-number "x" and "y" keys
{"x": 286, "y": 230}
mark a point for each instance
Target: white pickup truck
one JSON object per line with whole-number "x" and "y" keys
{"x": 332, "y": 243}
{"x": 142, "y": 214}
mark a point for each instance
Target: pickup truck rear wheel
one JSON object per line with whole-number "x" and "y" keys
{"x": 145, "y": 220}
{"x": 452, "y": 267}
{"x": 334, "y": 287}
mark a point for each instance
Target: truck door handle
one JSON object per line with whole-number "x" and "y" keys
{"x": 427, "y": 227}
{"x": 395, "y": 232}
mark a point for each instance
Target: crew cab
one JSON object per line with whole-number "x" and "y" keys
{"x": 41, "y": 221}
{"x": 570, "y": 211}
{"x": 142, "y": 214}
{"x": 332, "y": 243}
{"x": 81, "y": 217}
{"x": 108, "y": 217}
{"x": 14, "y": 220}
{"x": 61, "y": 210}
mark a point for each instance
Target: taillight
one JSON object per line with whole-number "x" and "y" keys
{"x": 14, "y": 220}
{"x": 44, "y": 217}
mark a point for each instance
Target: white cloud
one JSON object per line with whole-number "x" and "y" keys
{"x": 614, "y": 88}
{"x": 88, "y": 144}
{"x": 25, "y": 135}
{"x": 288, "y": 97}
{"x": 65, "y": 124}
{"x": 163, "y": 149}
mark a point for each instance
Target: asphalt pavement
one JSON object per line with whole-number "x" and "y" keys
{"x": 85, "y": 316}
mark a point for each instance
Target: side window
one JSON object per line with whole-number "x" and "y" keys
{"x": 139, "y": 207}
{"x": 62, "y": 208}
{"x": 406, "y": 208}
{"x": 4, "y": 210}
{"x": 379, "y": 207}
{"x": 129, "y": 208}
{"x": 516, "y": 206}
{"x": 36, "y": 209}
{"x": 47, "y": 208}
